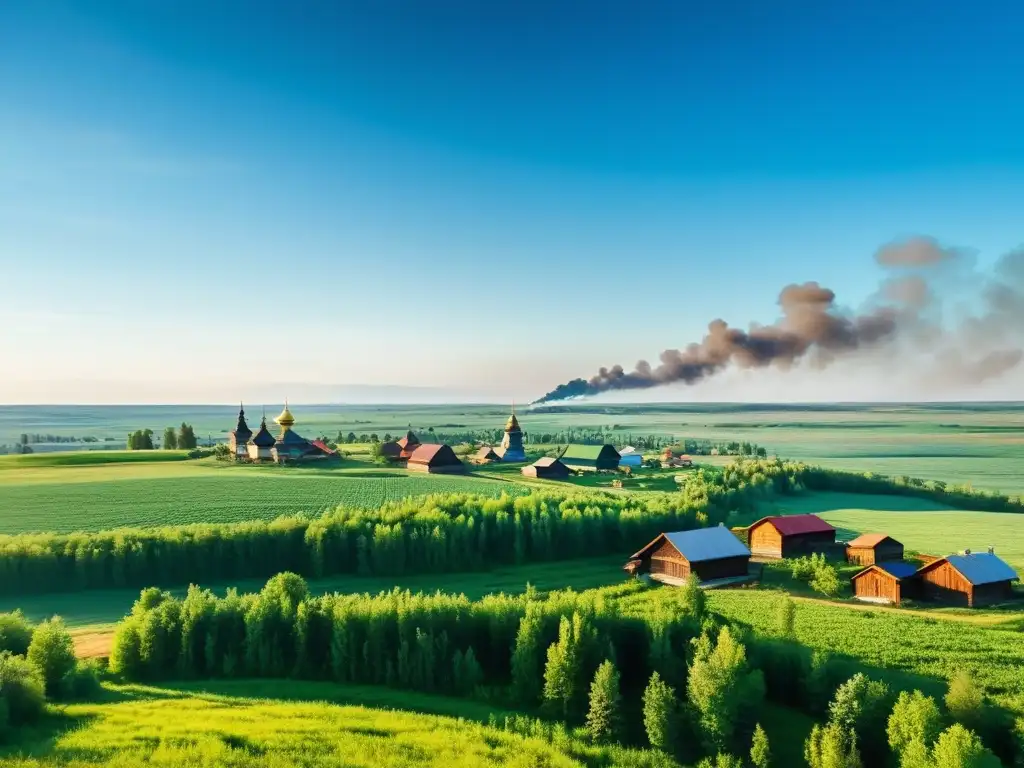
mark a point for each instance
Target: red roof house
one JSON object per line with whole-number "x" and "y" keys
{"x": 789, "y": 536}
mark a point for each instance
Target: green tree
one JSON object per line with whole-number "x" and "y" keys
{"x": 659, "y": 713}
{"x": 722, "y": 760}
{"x": 605, "y": 704}
{"x": 15, "y": 633}
{"x": 785, "y": 616}
{"x": 526, "y": 658}
{"x": 52, "y": 651}
{"x": 915, "y": 718}
{"x": 562, "y": 670}
{"x": 760, "y": 752}
{"x": 721, "y": 687}
{"x": 22, "y": 691}
{"x": 958, "y": 747}
{"x": 832, "y": 746}
{"x": 694, "y": 599}
{"x": 170, "y": 439}
{"x": 964, "y": 699}
{"x": 859, "y": 703}
{"x": 186, "y": 437}
{"x": 826, "y": 580}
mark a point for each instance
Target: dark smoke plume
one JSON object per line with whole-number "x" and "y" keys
{"x": 918, "y": 311}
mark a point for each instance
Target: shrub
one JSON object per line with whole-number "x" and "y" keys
{"x": 83, "y": 683}
{"x": 760, "y": 752}
{"x": 965, "y": 700}
{"x": 15, "y": 633}
{"x": 826, "y": 580}
{"x": 22, "y": 690}
{"x": 52, "y": 652}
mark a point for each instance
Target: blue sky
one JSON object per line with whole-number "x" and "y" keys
{"x": 200, "y": 201}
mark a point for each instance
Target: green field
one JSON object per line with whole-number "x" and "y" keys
{"x": 78, "y": 497}
{"x": 922, "y": 526}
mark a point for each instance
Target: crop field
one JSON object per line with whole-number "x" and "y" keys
{"x": 922, "y": 526}
{"x": 261, "y": 723}
{"x": 91, "y": 498}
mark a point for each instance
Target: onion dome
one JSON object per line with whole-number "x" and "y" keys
{"x": 285, "y": 420}
{"x": 512, "y": 423}
{"x": 263, "y": 438}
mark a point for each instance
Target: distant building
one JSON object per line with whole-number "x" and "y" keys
{"x": 591, "y": 457}
{"x": 238, "y": 438}
{"x": 670, "y": 460}
{"x": 630, "y": 457}
{"x": 435, "y": 459}
{"x": 485, "y": 455}
{"x": 972, "y": 579}
{"x": 547, "y": 468}
{"x": 408, "y": 444}
{"x": 790, "y": 536}
{"x": 870, "y": 548}
{"x": 889, "y": 582}
{"x": 391, "y": 451}
{"x": 261, "y": 446}
{"x": 708, "y": 553}
{"x": 511, "y": 448}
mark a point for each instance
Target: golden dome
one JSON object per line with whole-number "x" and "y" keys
{"x": 512, "y": 423}
{"x": 285, "y": 419}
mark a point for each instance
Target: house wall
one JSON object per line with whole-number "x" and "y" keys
{"x": 883, "y": 553}
{"x": 798, "y": 544}
{"x": 945, "y": 583}
{"x": 860, "y": 555}
{"x": 765, "y": 541}
{"x": 875, "y": 584}
{"x": 723, "y": 568}
{"x": 986, "y": 594}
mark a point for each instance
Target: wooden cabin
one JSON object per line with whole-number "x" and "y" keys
{"x": 870, "y": 548}
{"x": 971, "y": 579}
{"x": 591, "y": 457}
{"x": 790, "y": 536}
{"x": 485, "y": 455}
{"x": 886, "y": 582}
{"x": 708, "y": 553}
{"x": 435, "y": 459}
{"x": 547, "y": 468}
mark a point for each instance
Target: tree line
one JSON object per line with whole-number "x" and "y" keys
{"x": 183, "y": 438}
{"x": 675, "y": 676}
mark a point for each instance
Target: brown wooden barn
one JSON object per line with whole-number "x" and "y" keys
{"x": 869, "y": 548}
{"x": 391, "y": 451}
{"x": 408, "y": 444}
{"x": 972, "y": 579}
{"x": 485, "y": 455}
{"x": 710, "y": 553}
{"x": 790, "y": 536}
{"x": 888, "y": 582}
{"x": 435, "y": 459}
{"x": 547, "y": 468}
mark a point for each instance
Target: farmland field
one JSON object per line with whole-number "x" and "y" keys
{"x": 91, "y": 498}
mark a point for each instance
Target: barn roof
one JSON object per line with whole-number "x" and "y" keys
{"x": 790, "y": 525}
{"x": 486, "y": 452}
{"x": 982, "y": 567}
{"x": 703, "y": 544}
{"x": 627, "y": 449}
{"x": 897, "y": 569}
{"x": 546, "y": 461}
{"x": 434, "y": 454}
{"x": 590, "y": 452}
{"x": 409, "y": 440}
{"x": 321, "y": 445}
{"x": 870, "y": 540}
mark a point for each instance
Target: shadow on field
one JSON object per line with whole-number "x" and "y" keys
{"x": 41, "y": 739}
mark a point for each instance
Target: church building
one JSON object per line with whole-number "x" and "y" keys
{"x": 288, "y": 446}
{"x": 511, "y": 448}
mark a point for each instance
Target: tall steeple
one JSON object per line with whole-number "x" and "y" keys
{"x": 512, "y": 441}
{"x": 241, "y": 432}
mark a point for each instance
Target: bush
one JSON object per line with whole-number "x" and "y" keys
{"x": 52, "y": 652}
{"x": 83, "y": 683}
{"x": 15, "y": 633}
{"x": 22, "y": 690}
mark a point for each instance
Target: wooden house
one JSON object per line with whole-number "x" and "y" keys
{"x": 547, "y": 468}
{"x": 435, "y": 459}
{"x": 485, "y": 455}
{"x": 708, "y": 553}
{"x": 408, "y": 444}
{"x": 790, "y": 536}
{"x": 391, "y": 451}
{"x": 972, "y": 579}
{"x": 886, "y": 582}
{"x": 591, "y": 457}
{"x": 870, "y": 548}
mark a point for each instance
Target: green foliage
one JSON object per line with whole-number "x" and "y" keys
{"x": 603, "y": 715}
{"x": 721, "y": 687}
{"x": 786, "y": 615}
{"x": 186, "y": 437}
{"x": 170, "y": 441}
{"x": 722, "y": 760}
{"x": 562, "y": 672}
{"x": 958, "y": 747}
{"x": 915, "y": 719}
{"x": 861, "y": 704}
{"x": 964, "y": 699}
{"x": 83, "y": 682}
{"x": 22, "y": 691}
{"x": 140, "y": 440}
{"x": 526, "y": 658}
{"x": 832, "y": 746}
{"x": 693, "y": 598}
{"x": 826, "y": 581}
{"x": 660, "y": 713}
{"x": 760, "y": 751}
{"x": 15, "y": 633}
{"x": 52, "y": 652}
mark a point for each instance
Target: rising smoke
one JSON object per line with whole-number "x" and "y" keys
{"x": 934, "y": 310}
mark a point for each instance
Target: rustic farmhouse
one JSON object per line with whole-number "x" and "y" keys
{"x": 790, "y": 536}
{"x": 485, "y": 455}
{"x": 886, "y": 582}
{"x": 972, "y": 579}
{"x": 669, "y": 459}
{"x": 547, "y": 468}
{"x": 869, "y": 548}
{"x": 591, "y": 457}
{"x": 708, "y": 553}
{"x": 435, "y": 459}
{"x": 408, "y": 444}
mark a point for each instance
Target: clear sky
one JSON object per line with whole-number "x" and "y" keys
{"x": 201, "y": 201}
